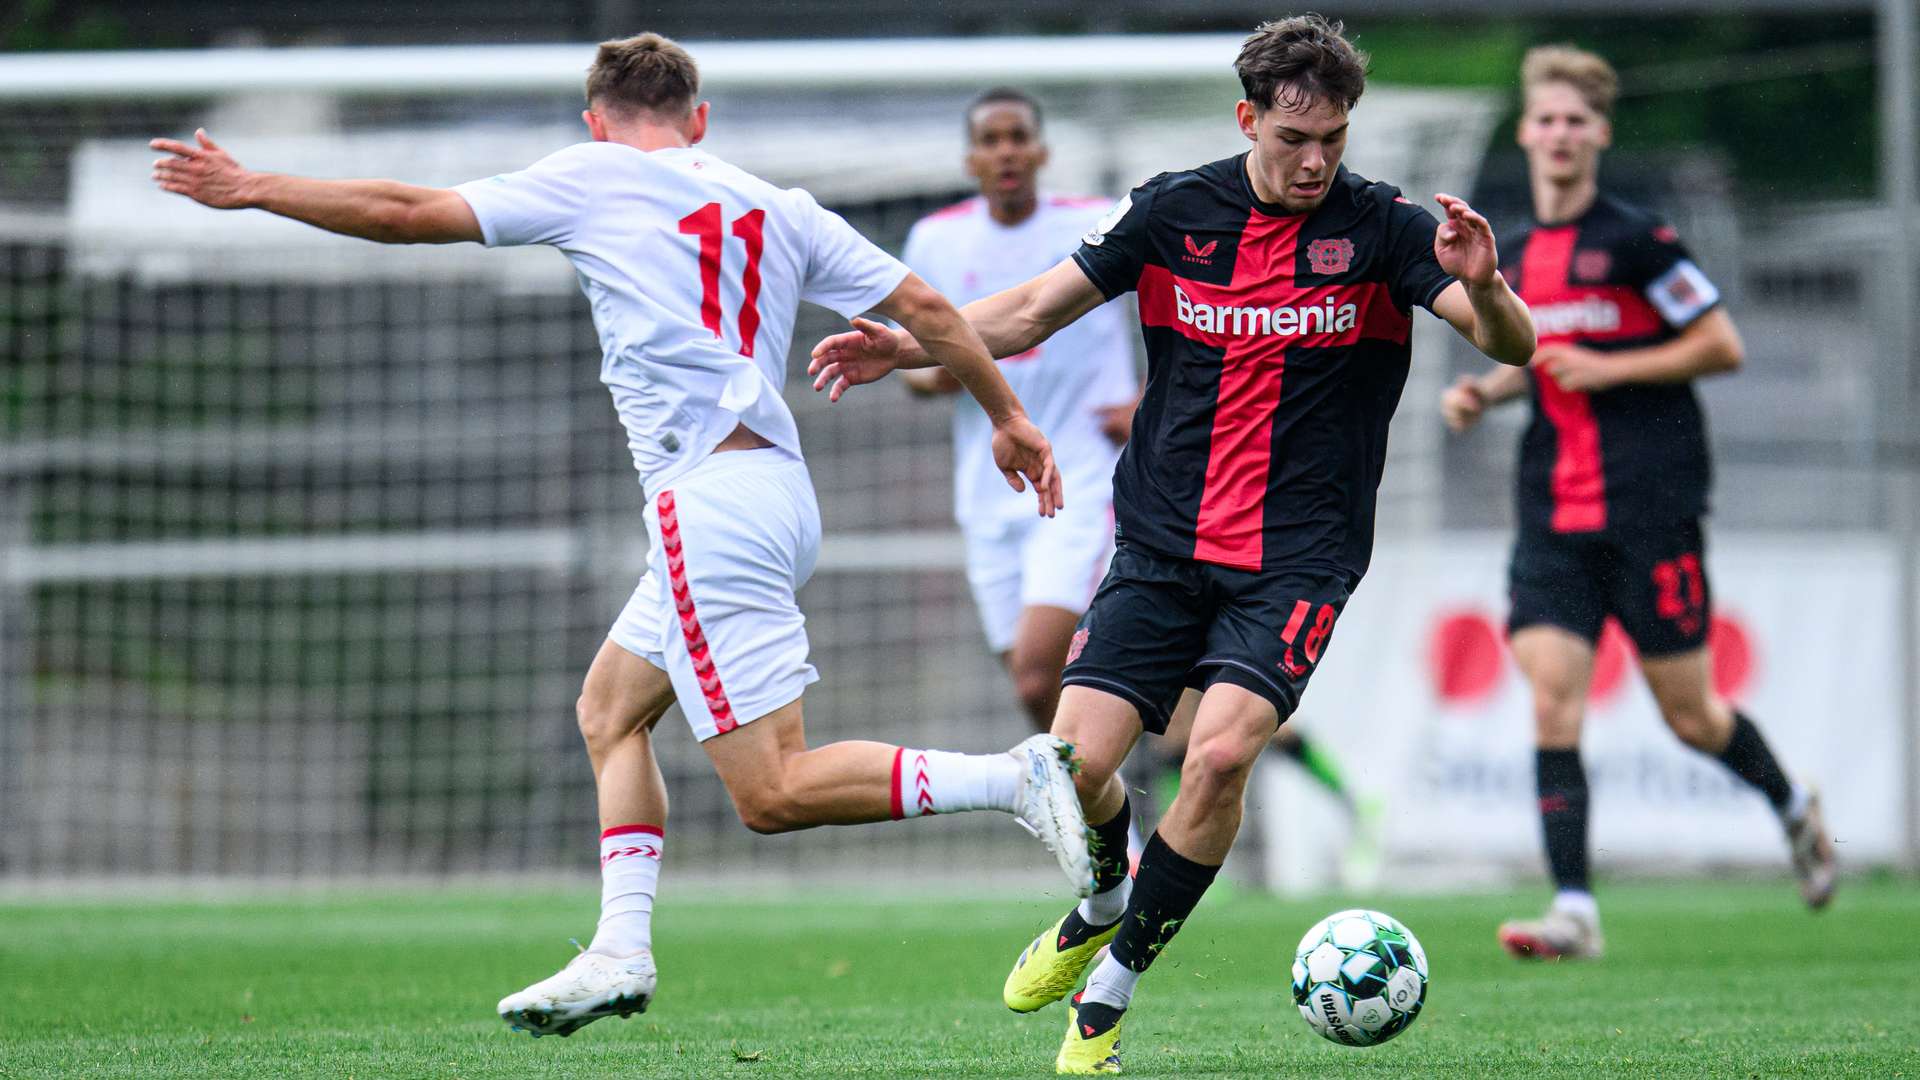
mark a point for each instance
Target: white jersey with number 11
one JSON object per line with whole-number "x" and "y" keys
{"x": 694, "y": 270}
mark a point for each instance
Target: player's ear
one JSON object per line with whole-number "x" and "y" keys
{"x": 697, "y": 122}
{"x": 596, "y": 126}
{"x": 1249, "y": 120}
{"x": 1606, "y": 133}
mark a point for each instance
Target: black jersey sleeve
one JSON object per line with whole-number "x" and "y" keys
{"x": 1117, "y": 247}
{"x": 1414, "y": 277}
{"x": 1654, "y": 261}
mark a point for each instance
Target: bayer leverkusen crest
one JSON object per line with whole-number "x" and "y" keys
{"x": 1330, "y": 256}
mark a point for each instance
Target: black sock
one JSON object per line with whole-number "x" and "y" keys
{"x": 1563, "y": 815}
{"x": 1748, "y": 755}
{"x": 1164, "y": 894}
{"x": 1095, "y": 1017}
{"x": 1109, "y": 849}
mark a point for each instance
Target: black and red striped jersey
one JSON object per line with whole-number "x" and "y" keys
{"x": 1615, "y": 278}
{"x": 1277, "y": 348}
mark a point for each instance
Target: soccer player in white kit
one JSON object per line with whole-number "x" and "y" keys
{"x": 1031, "y": 580}
{"x": 694, "y": 270}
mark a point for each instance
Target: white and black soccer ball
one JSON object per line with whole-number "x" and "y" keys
{"x": 1359, "y": 977}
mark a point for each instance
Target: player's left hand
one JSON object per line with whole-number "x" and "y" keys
{"x": 1020, "y": 450}
{"x": 1464, "y": 243}
{"x": 201, "y": 171}
{"x": 862, "y": 355}
{"x": 1576, "y": 369}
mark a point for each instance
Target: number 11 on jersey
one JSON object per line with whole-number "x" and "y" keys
{"x": 705, "y": 224}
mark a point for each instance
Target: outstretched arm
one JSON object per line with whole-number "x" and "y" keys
{"x": 1009, "y": 322}
{"x": 1479, "y": 305}
{"x": 1018, "y": 447}
{"x": 383, "y": 210}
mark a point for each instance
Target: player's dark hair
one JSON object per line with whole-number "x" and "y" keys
{"x": 1289, "y": 62}
{"x": 1002, "y": 95}
{"x": 646, "y": 72}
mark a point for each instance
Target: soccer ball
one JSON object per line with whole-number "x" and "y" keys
{"x": 1359, "y": 977}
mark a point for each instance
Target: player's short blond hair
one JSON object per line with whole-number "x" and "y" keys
{"x": 1588, "y": 73}
{"x": 646, "y": 72}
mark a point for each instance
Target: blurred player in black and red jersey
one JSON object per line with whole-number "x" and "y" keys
{"x": 1276, "y": 293}
{"x": 1613, "y": 483}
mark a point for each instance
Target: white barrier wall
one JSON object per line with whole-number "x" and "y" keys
{"x": 1427, "y": 712}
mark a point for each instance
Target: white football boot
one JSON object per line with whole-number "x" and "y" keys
{"x": 1813, "y": 858}
{"x": 1560, "y": 934}
{"x": 591, "y": 986}
{"x": 1050, "y": 806}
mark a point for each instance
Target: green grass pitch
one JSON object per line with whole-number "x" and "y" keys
{"x": 1701, "y": 980}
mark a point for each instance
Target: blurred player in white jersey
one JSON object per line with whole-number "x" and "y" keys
{"x": 1031, "y": 580}
{"x": 694, "y": 270}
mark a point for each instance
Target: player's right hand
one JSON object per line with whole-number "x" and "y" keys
{"x": 201, "y": 171}
{"x": 1020, "y": 450}
{"x": 862, "y": 355}
{"x": 1462, "y": 404}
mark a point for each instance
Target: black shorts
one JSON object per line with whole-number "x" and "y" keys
{"x": 1159, "y": 625}
{"x": 1652, "y": 579}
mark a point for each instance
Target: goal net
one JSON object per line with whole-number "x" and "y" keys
{"x": 306, "y": 543}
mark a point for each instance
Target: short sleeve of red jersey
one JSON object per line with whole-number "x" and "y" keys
{"x": 1414, "y": 277}
{"x": 845, "y": 271}
{"x": 1660, "y": 266}
{"x": 537, "y": 205}
{"x": 1116, "y": 247}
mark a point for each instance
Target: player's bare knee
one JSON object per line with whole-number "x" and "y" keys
{"x": 1695, "y": 724}
{"x": 767, "y": 810}
{"x": 601, "y": 723}
{"x": 1556, "y": 717}
{"x": 1223, "y": 760}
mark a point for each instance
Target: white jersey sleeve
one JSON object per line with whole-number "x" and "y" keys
{"x": 540, "y": 204}
{"x": 845, "y": 271}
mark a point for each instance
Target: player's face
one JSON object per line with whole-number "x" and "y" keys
{"x": 1561, "y": 134}
{"x": 1296, "y": 148}
{"x": 1005, "y": 153}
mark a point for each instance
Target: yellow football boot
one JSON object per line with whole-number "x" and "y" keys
{"x": 1087, "y": 1054}
{"x": 1050, "y": 968}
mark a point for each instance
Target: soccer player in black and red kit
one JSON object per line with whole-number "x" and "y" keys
{"x": 1276, "y": 292}
{"x": 1613, "y": 484}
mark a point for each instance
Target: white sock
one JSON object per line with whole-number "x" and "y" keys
{"x": 1112, "y": 983}
{"x": 1577, "y": 902}
{"x": 629, "y": 874}
{"x": 940, "y": 782}
{"x": 1103, "y": 908}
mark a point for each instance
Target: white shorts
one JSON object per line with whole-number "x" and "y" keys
{"x": 1038, "y": 562}
{"x": 728, "y": 546}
